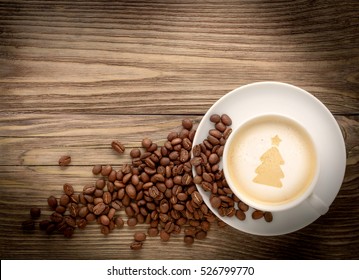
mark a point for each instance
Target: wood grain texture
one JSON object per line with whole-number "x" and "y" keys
{"x": 75, "y": 76}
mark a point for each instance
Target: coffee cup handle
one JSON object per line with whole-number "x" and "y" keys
{"x": 317, "y": 204}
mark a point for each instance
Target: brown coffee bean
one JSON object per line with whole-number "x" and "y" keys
{"x": 107, "y": 197}
{"x": 118, "y": 146}
{"x": 197, "y": 198}
{"x": 240, "y": 215}
{"x": 44, "y": 224}
{"x": 215, "y": 202}
{"x": 165, "y": 236}
{"x": 82, "y": 223}
{"x": 201, "y": 235}
{"x": 184, "y": 155}
{"x": 97, "y": 169}
{"x": 75, "y": 198}
{"x": 220, "y": 127}
{"x": 56, "y": 217}
{"x": 139, "y": 236}
{"x": 68, "y": 232}
{"x": 188, "y": 239}
{"x": 104, "y": 220}
{"x": 99, "y": 208}
{"x": 186, "y": 144}
{"x": 119, "y": 222}
{"x": 35, "y": 212}
{"x": 52, "y": 202}
{"x": 146, "y": 143}
{"x": 64, "y": 160}
{"x": 60, "y": 209}
{"x": 89, "y": 189}
{"x": 196, "y": 161}
{"x": 213, "y": 159}
{"x": 215, "y": 118}
{"x": 131, "y": 222}
{"x": 68, "y": 189}
{"x": 257, "y": 214}
{"x": 226, "y": 120}
{"x": 268, "y": 217}
{"x": 226, "y": 133}
{"x": 244, "y": 207}
{"x": 106, "y": 170}
{"x": 131, "y": 191}
{"x": 152, "y": 231}
{"x": 136, "y": 245}
{"x": 73, "y": 209}
{"x": 187, "y": 124}
{"x": 64, "y": 200}
{"x": 105, "y": 230}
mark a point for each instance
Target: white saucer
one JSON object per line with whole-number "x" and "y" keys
{"x": 278, "y": 98}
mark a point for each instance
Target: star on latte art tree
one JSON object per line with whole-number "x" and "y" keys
{"x": 269, "y": 172}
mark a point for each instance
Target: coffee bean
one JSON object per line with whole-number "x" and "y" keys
{"x": 220, "y": 127}
{"x": 106, "y": 170}
{"x": 68, "y": 189}
{"x": 226, "y": 120}
{"x": 139, "y": 236}
{"x": 215, "y": 118}
{"x": 187, "y": 124}
{"x": 64, "y": 160}
{"x": 136, "y": 245}
{"x": 82, "y": 223}
{"x": 257, "y": 214}
{"x": 52, "y": 202}
{"x": 240, "y": 215}
{"x": 244, "y": 207}
{"x": 146, "y": 143}
{"x": 56, "y": 217}
{"x": 201, "y": 235}
{"x": 215, "y": 201}
{"x": 119, "y": 222}
{"x": 105, "y": 230}
{"x": 118, "y": 146}
{"x": 197, "y": 198}
{"x": 165, "y": 236}
{"x": 268, "y": 217}
{"x": 64, "y": 200}
{"x": 44, "y": 224}
{"x": 213, "y": 159}
{"x": 104, "y": 220}
{"x": 35, "y": 212}
{"x": 107, "y": 197}
{"x": 99, "y": 208}
{"x": 131, "y": 191}
{"x": 89, "y": 189}
{"x": 97, "y": 169}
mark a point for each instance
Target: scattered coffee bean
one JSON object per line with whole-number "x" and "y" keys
{"x": 268, "y": 217}
{"x": 118, "y": 146}
{"x": 257, "y": 214}
{"x": 35, "y": 212}
{"x": 136, "y": 245}
{"x": 140, "y": 236}
{"x": 68, "y": 189}
{"x": 64, "y": 160}
{"x": 157, "y": 188}
{"x": 52, "y": 202}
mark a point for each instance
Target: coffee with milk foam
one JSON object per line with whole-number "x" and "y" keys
{"x": 271, "y": 160}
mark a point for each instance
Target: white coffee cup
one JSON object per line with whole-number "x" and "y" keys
{"x": 270, "y": 163}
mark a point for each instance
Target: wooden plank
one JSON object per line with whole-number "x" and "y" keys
{"x": 129, "y": 58}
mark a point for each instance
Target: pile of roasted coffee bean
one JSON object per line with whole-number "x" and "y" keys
{"x": 157, "y": 188}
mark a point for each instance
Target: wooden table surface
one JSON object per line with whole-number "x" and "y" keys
{"x": 76, "y": 75}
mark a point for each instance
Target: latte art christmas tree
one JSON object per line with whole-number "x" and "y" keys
{"x": 269, "y": 172}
